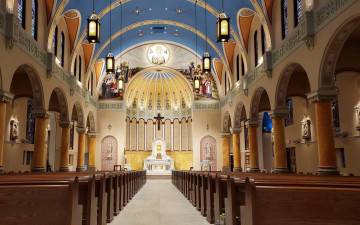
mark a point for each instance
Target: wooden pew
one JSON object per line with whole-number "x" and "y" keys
{"x": 40, "y": 202}
{"x": 293, "y": 203}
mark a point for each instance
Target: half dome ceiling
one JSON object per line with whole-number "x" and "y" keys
{"x": 140, "y": 17}
{"x": 159, "y": 89}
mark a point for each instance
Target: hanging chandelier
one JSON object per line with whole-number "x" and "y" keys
{"x": 93, "y": 27}
{"x": 206, "y": 61}
{"x": 121, "y": 83}
{"x": 110, "y": 60}
{"x": 196, "y": 75}
{"x": 223, "y": 26}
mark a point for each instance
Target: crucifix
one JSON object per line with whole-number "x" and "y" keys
{"x": 159, "y": 118}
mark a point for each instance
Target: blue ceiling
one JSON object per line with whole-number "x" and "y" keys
{"x": 157, "y": 10}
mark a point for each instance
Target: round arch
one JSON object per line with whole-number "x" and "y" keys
{"x": 333, "y": 50}
{"x": 77, "y": 114}
{"x": 239, "y": 115}
{"x": 283, "y": 83}
{"x": 59, "y": 103}
{"x": 259, "y": 102}
{"x": 91, "y": 122}
{"x": 35, "y": 82}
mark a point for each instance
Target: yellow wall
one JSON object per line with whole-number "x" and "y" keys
{"x": 183, "y": 159}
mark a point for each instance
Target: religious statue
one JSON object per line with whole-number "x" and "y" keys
{"x": 109, "y": 152}
{"x": 14, "y": 127}
{"x": 191, "y": 70}
{"x": 208, "y": 151}
{"x": 306, "y": 128}
{"x": 208, "y": 85}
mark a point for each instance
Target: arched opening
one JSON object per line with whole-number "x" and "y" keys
{"x": 240, "y": 118}
{"x": 77, "y": 119}
{"x": 109, "y": 153}
{"x": 260, "y": 106}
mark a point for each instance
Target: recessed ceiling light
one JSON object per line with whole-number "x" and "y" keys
{"x": 166, "y": 9}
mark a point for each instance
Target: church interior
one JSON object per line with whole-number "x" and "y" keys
{"x": 239, "y": 106}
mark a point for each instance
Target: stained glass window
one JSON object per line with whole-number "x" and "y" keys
{"x": 75, "y": 66}
{"x": 242, "y": 66}
{"x": 289, "y": 119}
{"x": 263, "y": 40}
{"x": 284, "y": 18}
{"x": 246, "y": 134}
{"x": 34, "y": 19}
{"x": 267, "y": 123}
{"x": 297, "y": 11}
{"x": 21, "y": 12}
{"x": 30, "y": 122}
{"x": 62, "y": 49}
{"x": 80, "y": 68}
{"x": 72, "y": 128}
{"x": 336, "y": 116}
{"x": 238, "y": 67}
{"x": 55, "y": 41}
{"x": 256, "y": 53}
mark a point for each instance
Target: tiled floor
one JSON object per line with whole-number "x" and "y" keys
{"x": 159, "y": 202}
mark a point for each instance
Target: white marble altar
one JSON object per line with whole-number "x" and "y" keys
{"x": 158, "y": 162}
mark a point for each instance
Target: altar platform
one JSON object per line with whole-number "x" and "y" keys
{"x": 158, "y": 177}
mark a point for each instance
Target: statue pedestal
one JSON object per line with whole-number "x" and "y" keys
{"x": 205, "y": 165}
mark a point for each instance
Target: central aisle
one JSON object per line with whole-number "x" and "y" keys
{"x": 159, "y": 202}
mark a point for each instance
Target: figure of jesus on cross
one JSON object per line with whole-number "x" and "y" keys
{"x": 159, "y": 118}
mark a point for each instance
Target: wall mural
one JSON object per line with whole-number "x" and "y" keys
{"x": 109, "y": 153}
{"x": 208, "y": 151}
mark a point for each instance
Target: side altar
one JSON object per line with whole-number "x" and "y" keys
{"x": 158, "y": 162}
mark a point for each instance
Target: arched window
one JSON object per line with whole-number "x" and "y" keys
{"x": 289, "y": 119}
{"x": 242, "y": 67}
{"x": 297, "y": 11}
{"x": 22, "y": 12}
{"x": 75, "y": 66}
{"x": 62, "y": 50}
{"x": 284, "y": 19}
{"x": 80, "y": 68}
{"x": 256, "y": 52}
{"x": 34, "y": 19}
{"x": 91, "y": 83}
{"x": 30, "y": 122}
{"x": 225, "y": 84}
{"x": 263, "y": 40}
{"x": 55, "y": 41}
{"x": 238, "y": 67}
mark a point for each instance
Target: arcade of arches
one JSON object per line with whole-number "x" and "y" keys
{"x": 283, "y": 94}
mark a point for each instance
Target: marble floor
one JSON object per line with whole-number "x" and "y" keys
{"x": 159, "y": 202}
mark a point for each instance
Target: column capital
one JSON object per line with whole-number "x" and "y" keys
{"x": 322, "y": 94}
{"x": 279, "y": 112}
{"x": 81, "y": 129}
{"x": 224, "y": 134}
{"x": 252, "y": 123}
{"x": 6, "y": 96}
{"x": 65, "y": 124}
{"x": 236, "y": 130}
{"x": 42, "y": 113}
{"x": 93, "y": 135}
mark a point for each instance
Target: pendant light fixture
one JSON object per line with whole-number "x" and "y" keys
{"x": 110, "y": 60}
{"x": 93, "y": 27}
{"x": 196, "y": 74}
{"x": 223, "y": 26}
{"x": 206, "y": 61}
{"x": 121, "y": 85}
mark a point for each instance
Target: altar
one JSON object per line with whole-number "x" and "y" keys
{"x": 158, "y": 163}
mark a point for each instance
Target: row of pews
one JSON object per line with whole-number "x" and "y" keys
{"x": 72, "y": 198}
{"x": 281, "y": 199}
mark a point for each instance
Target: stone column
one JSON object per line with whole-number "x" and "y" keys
{"x": 236, "y": 149}
{"x": 323, "y": 99}
{"x": 81, "y": 149}
{"x": 278, "y": 121}
{"x": 41, "y": 123}
{"x": 4, "y": 99}
{"x": 253, "y": 145}
{"x": 92, "y": 151}
{"x": 225, "y": 151}
{"x": 65, "y": 141}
